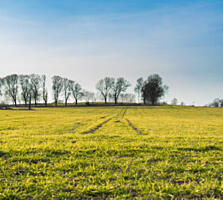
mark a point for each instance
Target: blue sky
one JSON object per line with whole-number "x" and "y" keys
{"x": 86, "y": 40}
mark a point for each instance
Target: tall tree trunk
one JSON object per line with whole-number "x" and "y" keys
{"x": 116, "y": 100}
{"x": 76, "y": 101}
{"x": 30, "y": 103}
{"x": 105, "y": 100}
{"x": 46, "y": 103}
{"x": 144, "y": 100}
{"x": 65, "y": 102}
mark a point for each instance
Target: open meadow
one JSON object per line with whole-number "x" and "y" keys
{"x": 163, "y": 152}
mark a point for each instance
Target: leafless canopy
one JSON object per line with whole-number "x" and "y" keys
{"x": 104, "y": 86}
{"x": 57, "y": 88}
{"x": 76, "y": 91}
{"x": 138, "y": 88}
{"x": 66, "y": 89}
{"x": 119, "y": 86}
{"x": 44, "y": 90}
{"x": 25, "y": 87}
{"x": 36, "y": 85}
{"x": 11, "y": 87}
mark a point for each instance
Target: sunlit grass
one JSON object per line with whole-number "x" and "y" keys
{"x": 44, "y": 153}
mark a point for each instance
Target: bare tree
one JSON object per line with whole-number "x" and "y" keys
{"x": 127, "y": 97}
{"x": 66, "y": 89}
{"x": 130, "y": 98}
{"x": 153, "y": 89}
{"x": 138, "y": 88}
{"x": 30, "y": 94}
{"x": 182, "y": 103}
{"x": 24, "y": 83}
{"x": 104, "y": 86}
{"x": 119, "y": 86}
{"x": 36, "y": 85}
{"x": 122, "y": 97}
{"x": 76, "y": 91}
{"x": 88, "y": 96}
{"x": 11, "y": 87}
{"x": 57, "y": 88}
{"x": 174, "y": 101}
{"x": 44, "y": 90}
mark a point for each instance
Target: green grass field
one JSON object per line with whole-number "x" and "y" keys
{"x": 112, "y": 153}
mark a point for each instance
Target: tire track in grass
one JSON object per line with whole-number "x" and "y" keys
{"x": 119, "y": 115}
{"x": 92, "y": 130}
{"x": 130, "y": 123}
{"x": 97, "y": 127}
{"x": 123, "y": 114}
{"x": 134, "y": 128}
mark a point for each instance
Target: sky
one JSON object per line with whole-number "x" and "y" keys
{"x": 86, "y": 40}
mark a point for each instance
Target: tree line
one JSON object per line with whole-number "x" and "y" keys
{"x": 216, "y": 103}
{"x": 33, "y": 89}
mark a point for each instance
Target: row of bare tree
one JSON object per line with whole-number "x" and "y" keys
{"x": 33, "y": 88}
{"x": 108, "y": 87}
{"x": 29, "y": 87}
{"x": 149, "y": 90}
{"x": 111, "y": 87}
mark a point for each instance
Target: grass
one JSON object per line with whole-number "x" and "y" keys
{"x": 112, "y": 152}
